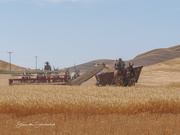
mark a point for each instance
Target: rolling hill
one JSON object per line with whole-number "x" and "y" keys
{"x": 157, "y": 56}
{"x": 145, "y": 59}
{"x": 148, "y": 58}
{"x": 6, "y": 66}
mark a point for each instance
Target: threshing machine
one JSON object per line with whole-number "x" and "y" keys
{"x": 52, "y": 77}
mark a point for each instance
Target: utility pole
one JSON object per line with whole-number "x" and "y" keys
{"x": 36, "y": 61}
{"x": 10, "y": 60}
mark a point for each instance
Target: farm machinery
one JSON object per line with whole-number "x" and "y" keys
{"x": 38, "y": 77}
{"x": 62, "y": 77}
{"x": 58, "y": 77}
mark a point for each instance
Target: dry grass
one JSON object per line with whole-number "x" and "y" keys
{"x": 112, "y": 124}
{"x": 90, "y": 110}
{"x": 29, "y": 100}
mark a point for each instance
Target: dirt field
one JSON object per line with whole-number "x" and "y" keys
{"x": 151, "y": 107}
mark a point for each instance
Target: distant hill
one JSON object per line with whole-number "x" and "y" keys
{"x": 166, "y": 66}
{"x": 148, "y": 58}
{"x": 157, "y": 56}
{"x": 145, "y": 59}
{"x": 5, "y": 66}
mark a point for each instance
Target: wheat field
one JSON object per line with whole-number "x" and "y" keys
{"x": 90, "y": 110}
{"x": 29, "y": 100}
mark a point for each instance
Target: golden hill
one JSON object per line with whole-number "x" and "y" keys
{"x": 145, "y": 59}
{"x": 157, "y": 56}
{"x": 6, "y": 66}
{"x": 164, "y": 73}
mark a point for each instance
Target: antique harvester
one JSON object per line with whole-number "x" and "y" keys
{"x": 62, "y": 77}
{"x": 39, "y": 77}
{"x": 59, "y": 77}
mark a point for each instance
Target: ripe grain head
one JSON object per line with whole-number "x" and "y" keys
{"x": 28, "y": 100}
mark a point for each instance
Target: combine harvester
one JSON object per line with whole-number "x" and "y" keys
{"x": 52, "y": 77}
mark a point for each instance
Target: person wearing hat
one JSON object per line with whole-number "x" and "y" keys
{"x": 47, "y": 67}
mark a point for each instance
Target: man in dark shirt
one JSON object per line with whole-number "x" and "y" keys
{"x": 47, "y": 67}
{"x": 121, "y": 63}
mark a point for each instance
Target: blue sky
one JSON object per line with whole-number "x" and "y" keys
{"x": 68, "y": 32}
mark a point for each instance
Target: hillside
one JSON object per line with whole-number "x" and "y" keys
{"x": 157, "y": 56}
{"x": 5, "y": 66}
{"x": 164, "y": 73}
{"x": 145, "y": 59}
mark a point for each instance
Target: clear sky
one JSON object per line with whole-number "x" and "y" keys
{"x": 68, "y": 32}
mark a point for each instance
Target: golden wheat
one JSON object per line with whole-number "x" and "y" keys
{"x": 29, "y": 100}
{"x": 90, "y": 110}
